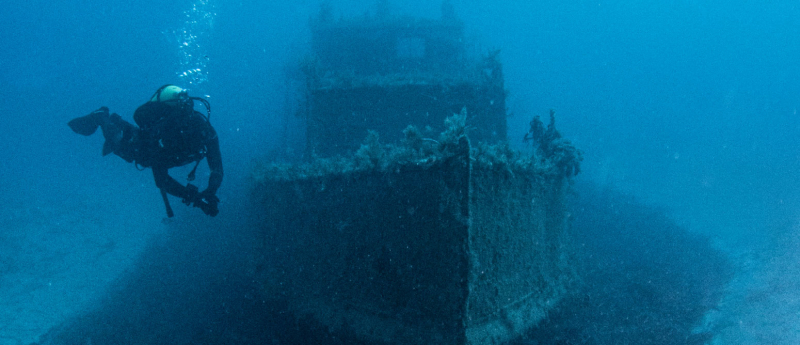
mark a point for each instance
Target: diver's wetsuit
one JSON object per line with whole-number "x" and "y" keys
{"x": 168, "y": 136}
{"x": 174, "y": 136}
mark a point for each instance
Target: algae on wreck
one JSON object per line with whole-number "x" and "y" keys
{"x": 549, "y": 155}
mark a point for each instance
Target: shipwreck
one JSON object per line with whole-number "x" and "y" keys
{"x": 413, "y": 221}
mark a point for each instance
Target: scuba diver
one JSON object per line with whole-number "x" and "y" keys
{"x": 170, "y": 134}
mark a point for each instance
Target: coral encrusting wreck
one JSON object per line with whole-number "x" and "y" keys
{"x": 424, "y": 239}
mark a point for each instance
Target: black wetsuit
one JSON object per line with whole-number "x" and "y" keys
{"x": 172, "y": 136}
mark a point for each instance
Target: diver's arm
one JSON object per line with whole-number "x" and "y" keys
{"x": 214, "y": 158}
{"x": 170, "y": 185}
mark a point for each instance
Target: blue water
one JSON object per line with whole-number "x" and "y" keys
{"x": 688, "y": 105}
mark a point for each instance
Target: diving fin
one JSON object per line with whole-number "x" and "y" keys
{"x": 84, "y": 125}
{"x": 87, "y": 125}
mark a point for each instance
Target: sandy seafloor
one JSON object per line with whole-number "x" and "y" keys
{"x": 55, "y": 261}
{"x": 762, "y": 303}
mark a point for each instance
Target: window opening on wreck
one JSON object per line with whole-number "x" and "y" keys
{"x": 410, "y": 48}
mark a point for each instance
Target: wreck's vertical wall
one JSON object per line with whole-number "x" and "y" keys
{"x": 517, "y": 243}
{"x": 382, "y": 255}
{"x": 341, "y": 117}
{"x": 388, "y": 45}
{"x": 383, "y": 74}
{"x": 448, "y": 249}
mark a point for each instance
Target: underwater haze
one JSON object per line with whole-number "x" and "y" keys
{"x": 686, "y": 111}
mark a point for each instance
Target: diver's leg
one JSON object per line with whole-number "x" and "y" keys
{"x": 127, "y": 145}
{"x": 120, "y": 137}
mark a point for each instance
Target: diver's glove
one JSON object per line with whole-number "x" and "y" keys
{"x": 205, "y": 201}
{"x": 208, "y": 203}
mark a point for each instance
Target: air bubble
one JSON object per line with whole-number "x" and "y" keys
{"x": 191, "y": 38}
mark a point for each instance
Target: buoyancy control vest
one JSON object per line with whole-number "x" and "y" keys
{"x": 171, "y": 135}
